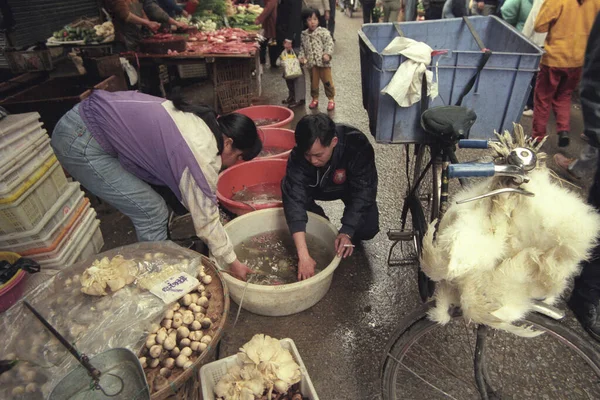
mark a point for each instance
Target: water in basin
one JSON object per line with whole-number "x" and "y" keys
{"x": 273, "y": 254}
{"x": 255, "y": 195}
{"x": 269, "y": 151}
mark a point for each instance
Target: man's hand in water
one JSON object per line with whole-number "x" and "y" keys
{"x": 306, "y": 267}
{"x": 240, "y": 270}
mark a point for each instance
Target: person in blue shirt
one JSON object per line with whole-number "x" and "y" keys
{"x": 172, "y": 8}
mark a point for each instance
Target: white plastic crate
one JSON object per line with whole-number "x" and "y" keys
{"x": 49, "y": 228}
{"x": 21, "y": 211}
{"x": 91, "y": 248}
{"x": 76, "y": 239}
{"x": 211, "y": 373}
{"x": 192, "y": 71}
{"x": 22, "y": 156}
{"x": 21, "y": 139}
{"x": 13, "y": 123}
{"x": 28, "y": 161}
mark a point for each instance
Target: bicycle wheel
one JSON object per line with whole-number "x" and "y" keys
{"x": 426, "y": 360}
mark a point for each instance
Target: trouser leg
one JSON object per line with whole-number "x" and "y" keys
{"x": 562, "y": 98}
{"x": 369, "y": 224}
{"x": 545, "y": 88}
{"x": 314, "y": 82}
{"x": 326, "y": 77}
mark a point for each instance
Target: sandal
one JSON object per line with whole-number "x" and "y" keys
{"x": 331, "y": 105}
{"x": 313, "y": 104}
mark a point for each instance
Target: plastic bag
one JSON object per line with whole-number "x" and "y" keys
{"x": 291, "y": 65}
{"x": 92, "y": 323}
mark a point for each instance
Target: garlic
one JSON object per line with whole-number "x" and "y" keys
{"x": 167, "y": 323}
{"x": 177, "y": 322}
{"x": 186, "y": 351}
{"x": 188, "y": 318}
{"x": 169, "y": 314}
{"x": 178, "y": 314}
{"x": 195, "y": 326}
{"x": 181, "y": 360}
{"x": 166, "y": 372}
{"x": 175, "y": 352}
{"x": 170, "y": 343}
{"x": 195, "y": 346}
{"x": 206, "y": 339}
{"x": 168, "y": 363}
{"x": 201, "y": 288}
{"x": 154, "y": 328}
{"x": 18, "y": 390}
{"x": 175, "y": 306}
{"x": 188, "y": 365}
{"x": 155, "y": 351}
{"x": 184, "y": 342}
{"x": 154, "y": 363}
{"x": 206, "y": 323}
{"x": 143, "y": 362}
{"x": 151, "y": 340}
{"x": 207, "y": 279}
{"x": 203, "y": 302}
{"x": 31, "y": 388}
{"x": 203, "y": 346}
{"x": 199, "y": 316}
{"x": 186, "y": 300}
{"x": 161, "y": 337}
{"x": 195, "y": 297}
{"x": 183, "y": 332}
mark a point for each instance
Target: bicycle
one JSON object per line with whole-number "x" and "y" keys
{"x": 420, "y": 346}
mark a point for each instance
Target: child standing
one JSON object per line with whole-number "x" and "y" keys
{"x": 568, "y": 23}
{"x": 315, "y": 51}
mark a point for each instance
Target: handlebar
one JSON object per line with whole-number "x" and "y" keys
{"x": 473, "y": 144}
{"x": 469, "y": 170}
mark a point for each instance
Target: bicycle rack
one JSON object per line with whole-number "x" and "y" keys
{"x": 398, "y": 236}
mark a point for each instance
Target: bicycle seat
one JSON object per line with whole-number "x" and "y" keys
{"x": 448, "y": 124}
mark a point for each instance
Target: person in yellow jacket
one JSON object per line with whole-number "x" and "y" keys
{"x": 568, "y": 24}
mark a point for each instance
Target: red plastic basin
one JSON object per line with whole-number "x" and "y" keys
{"x": 282, "y": 114}
{"x": 12, "y": 290}
{"x": 247, "y": 174}
{"x": 276, "y": 138}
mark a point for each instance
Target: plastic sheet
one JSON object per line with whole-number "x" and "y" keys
{"x": 92, "y": 323}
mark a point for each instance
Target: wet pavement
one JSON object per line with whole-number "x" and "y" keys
{"x": 342, "y": 338}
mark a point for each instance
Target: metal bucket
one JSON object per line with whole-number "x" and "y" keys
{"x": 121, "y": 363}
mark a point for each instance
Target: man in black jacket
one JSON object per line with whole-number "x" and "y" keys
{"x": 330, "y": 162}
{"x": 585, "y": 299}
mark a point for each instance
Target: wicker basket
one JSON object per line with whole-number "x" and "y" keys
{"x": 234, "y": 85}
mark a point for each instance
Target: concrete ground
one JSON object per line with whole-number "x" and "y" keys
{"x": 342, "y": 338}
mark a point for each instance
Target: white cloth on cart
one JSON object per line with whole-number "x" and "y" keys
{"x": 405, "y": 86}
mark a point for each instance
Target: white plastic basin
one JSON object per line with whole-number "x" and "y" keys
{"x": 281, "y": 299}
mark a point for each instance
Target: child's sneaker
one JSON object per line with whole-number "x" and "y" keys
{"x": 331, "y": 105}
{"x": 313, "y": 104}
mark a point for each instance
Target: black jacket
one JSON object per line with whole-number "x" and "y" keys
{"x": 590, "y": 86}
{"x": 350, "y": 175}
{"x": 289, "y": 23}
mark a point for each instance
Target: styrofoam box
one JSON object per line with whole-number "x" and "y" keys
{"x": 44, "y": 233}
{"x": 21, "y": 140}
{"x": 31, "y": 160}
{"x": 27, "y": 210}
{"x": 13, "y": 123}
{"x": 68, "y": 238}
{"x": 20, "y": 157}
{"x": 211, "y": 373}
{"x": 77, "y": 240}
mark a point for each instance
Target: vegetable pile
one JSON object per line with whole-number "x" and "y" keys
{"x": 245, "y": 17}
{"x": 264, "y": 369}
{"x": 181, "y": 336}
{"x": 97, "y": 34}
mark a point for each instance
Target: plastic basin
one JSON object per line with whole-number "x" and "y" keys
{"x": 281, "y": 299}
{"x": 280, "y": 138}
{"x": 247, "y": 174}
{"x": 282, "y": 114}
{"x": 12, "y": 290}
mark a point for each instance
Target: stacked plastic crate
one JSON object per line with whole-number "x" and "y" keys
{"x": 42, "y": 215}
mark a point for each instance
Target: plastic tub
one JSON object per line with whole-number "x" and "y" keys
{"x": 282, "y": 299}
{"x": 88, "y": 247}
{"x": 24, "y": 207}
{"x": 29, "y": 151}
{"x": 282, "y": 114}
{"x": 279, "y": 138}
{"x": 248, "y": 174}
{"x": 211, "y": 373}
{"x": 12, "y": 290}
{"x": 498, "y": 97}
{"x": 52, "y": 228}
{"x": 27, "y": 162}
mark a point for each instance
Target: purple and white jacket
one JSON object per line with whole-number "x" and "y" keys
{"x": 163, "y": 146}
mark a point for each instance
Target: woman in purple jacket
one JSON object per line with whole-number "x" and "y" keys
{"x": 118, "y": 144}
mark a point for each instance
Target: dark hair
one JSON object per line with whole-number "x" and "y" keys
{"x": 309, "y": 12}
{"x": 239, "y": 128}
{"x": 313, "y": 127}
